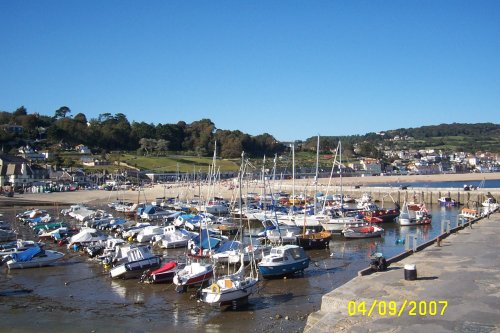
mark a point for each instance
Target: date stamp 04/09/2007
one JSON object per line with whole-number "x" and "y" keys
{"x": 394, "y": 309}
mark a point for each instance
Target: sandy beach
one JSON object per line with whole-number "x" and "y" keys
{"x": 227, "y": 189}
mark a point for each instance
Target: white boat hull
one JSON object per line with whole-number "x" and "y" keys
{"x": 219, "y": 295}
{"x": 38, "y": 261}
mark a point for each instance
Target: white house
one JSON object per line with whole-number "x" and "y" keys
{"x": 14, "y": 170}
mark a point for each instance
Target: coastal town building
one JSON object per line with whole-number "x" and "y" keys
{"x": 30, "y": 154}
{"x": 14, "y": 171}
{"x": 13, "y": 129}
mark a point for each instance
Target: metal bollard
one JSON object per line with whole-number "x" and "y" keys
{"x": 414, "y": 244}
{"x": 448, "y": 226}
{"x": 407, "y": 243}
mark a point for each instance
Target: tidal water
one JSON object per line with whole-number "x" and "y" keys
{"x": 77, "y": 294}
{"x": 493, "y": 183}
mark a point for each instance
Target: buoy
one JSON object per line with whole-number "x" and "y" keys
{"x": 400, "y": 241}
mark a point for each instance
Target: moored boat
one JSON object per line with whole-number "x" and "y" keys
{"x": 139, "y": 259}
{"x": 194, "y": 273}
{"x": 447, "y": 202}
{"x": 284, "y": 260}
{"x": 413, "y": 214}
{"x": 469, "y": 213}
{"x": 230, "y": 288}
{"x": 314, "y": 240}
{"x": 363, "y": 232}
{"x": 374, "y": 214}
{"x": 33, "y": 257}
{"x": 164, "y": 274}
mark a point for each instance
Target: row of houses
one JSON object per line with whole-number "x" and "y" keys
{"x": 18, "y": 172}
{"x": 23, "y": 171}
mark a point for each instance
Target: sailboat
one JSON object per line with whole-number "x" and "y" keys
{"x": 214, "y": 205}
{"x": 310, "y": 239}
{"x": 233, "y": 288}
{"x": 294, "y": 217}
{"x": 336, "y": 220}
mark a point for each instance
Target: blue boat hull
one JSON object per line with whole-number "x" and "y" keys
{"x": 285, "y": 269}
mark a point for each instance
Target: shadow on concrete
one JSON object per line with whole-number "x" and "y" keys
{"x": 394, "y": 268}
{"x": 425, "y": 278}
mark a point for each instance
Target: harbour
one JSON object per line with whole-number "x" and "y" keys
{"x": 79, "y": 289}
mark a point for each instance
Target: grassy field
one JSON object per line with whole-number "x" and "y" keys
{"x": 175, "y": 163}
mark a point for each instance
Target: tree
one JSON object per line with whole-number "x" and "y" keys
{"x": 147, "y": 144}
{"x": 62, "y": 112}
{"x": 81, "y": 118}
{"x": 21, "y": 111}
{"x": 161, "y": 146}
{"x": 199, "y": 135}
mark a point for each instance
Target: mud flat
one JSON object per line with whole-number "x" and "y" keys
{"x": 463, "y": 273}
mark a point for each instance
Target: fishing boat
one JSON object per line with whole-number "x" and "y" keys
{"x": 447, "y": 202}
{"x": 32, "y": 257}
{"x": 490, "y": 202}
{"x": 139, "y": 259}
{"x": 363, "y": 232}
{"x": 414, "y": 214}
{"x": 164, "y": 274}
{"x": 372, "y": 213}
{"x": 284, "y": 260}
{"x": 468, "y": 213}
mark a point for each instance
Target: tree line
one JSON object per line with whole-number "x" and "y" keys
{"x": 110, "y": 132}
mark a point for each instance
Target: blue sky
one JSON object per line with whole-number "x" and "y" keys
{"x": 293, "y": 69}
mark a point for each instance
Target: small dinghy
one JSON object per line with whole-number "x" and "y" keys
{"x": 164, "y": 274}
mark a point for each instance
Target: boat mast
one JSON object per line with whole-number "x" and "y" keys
{"x": 340, "y": 173}
{"x": 240, "y": 182}
{"x": 316, "y": 179}
{"x": 293, "y": 177}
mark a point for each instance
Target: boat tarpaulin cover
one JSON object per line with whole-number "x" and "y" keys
{"x": 26, "y": 255}
{"x": 206, "y": 242}
{"x": 228, "y": 246}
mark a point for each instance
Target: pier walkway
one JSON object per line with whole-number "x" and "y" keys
{"x": 464, "y": 272}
